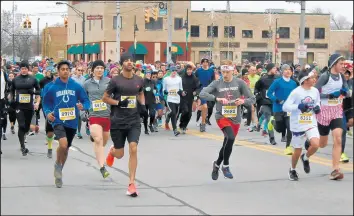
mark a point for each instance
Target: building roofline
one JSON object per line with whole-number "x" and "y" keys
{"x": 248, "y": 12}
{"x": 344, "y": 30}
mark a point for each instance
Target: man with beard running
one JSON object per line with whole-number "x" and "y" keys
{"x": 22, "y": 91}
{"x": 190, "y": 85}
{"x": 126, "y": 90}
{"x": 227, "y": 95}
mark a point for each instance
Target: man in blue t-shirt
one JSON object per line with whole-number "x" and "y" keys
{"x": 205, "y": 74}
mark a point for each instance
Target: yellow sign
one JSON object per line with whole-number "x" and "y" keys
{"x": 67, "y": 113}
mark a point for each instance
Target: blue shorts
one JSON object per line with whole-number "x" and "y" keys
{"x": 202, "y": 101}
{"x": 159, "y": 106}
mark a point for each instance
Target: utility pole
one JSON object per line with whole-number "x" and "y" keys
{"x": 187, "y": 34}
{"x": 13, "y": 31}
{"x": 302, "y": 29}
{"x": 118, "y": 31}
{"x": 276, "y": 41}
{"x": 169, "y": 31}
{"x": 229, "y": 28}
{"x": 134, "y": 57}
{"x": 38, "y": 47}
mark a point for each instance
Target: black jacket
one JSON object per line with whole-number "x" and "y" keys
{"x": 45, "y": 81}
{"x": 149, "y": 89}
{"x": 190, "y": 84}
{"x": 261, "y": 88}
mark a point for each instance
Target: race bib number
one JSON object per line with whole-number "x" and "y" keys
{"x": 229, "y": 111}
{"x": 99, "y": 105}
{"x": 172, "y": 92}
{"x": 131, "y": 101}
{"x": 24, "y": 98}
{"x": 305, "y": 118}
{"x": 334, "y": 101}
{"x": 67, "y": 114}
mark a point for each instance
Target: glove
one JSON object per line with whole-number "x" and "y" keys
{"x": 334, "y": 95}
{"x": 143, "y": 109}
{"x": 279, "y": 101}
{"x": 344, "y": 91}
{"x": 180, "y": 92}
{"x": 303, "y": 107}
{"x": 317, "y": 109}
{"x": 165, "y": 92}
{"x": 124, "y": 103}
{"x": 147, "y": 89}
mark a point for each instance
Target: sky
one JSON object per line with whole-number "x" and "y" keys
{"x": 50, "y": 13}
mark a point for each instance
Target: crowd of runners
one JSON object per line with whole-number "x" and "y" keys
{"x": 116, "y": 100}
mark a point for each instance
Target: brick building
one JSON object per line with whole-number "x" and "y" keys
{"x": 54, "y": 43}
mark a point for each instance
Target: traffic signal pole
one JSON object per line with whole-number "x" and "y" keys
{"x": 169, "y": 31}
{"x": 83, "y": 35}
{"x": 118, "y": 31}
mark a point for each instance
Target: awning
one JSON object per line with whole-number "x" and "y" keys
{"x": 72, "y": 50}
{"x": 179, "y": 50}
{"x": 140, "y": 49}
{"x": 87, "y": 49}
{"x": 79, "y": 50}
{"x": 95, "y": 48}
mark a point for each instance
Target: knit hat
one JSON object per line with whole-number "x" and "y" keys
{"x": 125, "y": 57}
{"x": 259, "y": 66}
{"x": 285, "y": 67}
{"x": 97, "y": 63}
{"x": 333, "y": 59}
{"x": 270, "y": 66}
{"x": 244, "y": 71}
{"x": 24, "y": 64}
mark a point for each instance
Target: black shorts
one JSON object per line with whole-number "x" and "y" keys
{"x": 48, "y": 127}
{"x": 335, "y": 123}
{"x": 60, "y": 132}
{"x": 349, "y": 114}
{"x": 119, "y": 136}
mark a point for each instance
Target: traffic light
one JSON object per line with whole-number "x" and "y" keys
{"x": 66, "y": 22}
{"x": 25, "y": 24}
{"x": 29, "y": 24}
{"x": 155, "y": 13}
{"x": 147, "y": 15}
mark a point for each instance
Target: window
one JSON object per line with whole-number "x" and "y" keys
{"x": 178, "y": 23}
{"x": 307, "y": 33}
{"x": 194, "y": 31}
{"x": 247, "y": 34}
{"x": 75, "y": 27}
{"x": 154, "y": 25}
{"x": 320, "y": 33}
{"x": 284, "y": 32}
{"x": 229, "y": 31}
{"x": 212, "y": 31}
{"x": 90, "y": 25}
{"x": 115, "y": 22}
{"x": 266, "y": 34}
{"x": 205, "y": 54}
{"x": 223, "y": 55}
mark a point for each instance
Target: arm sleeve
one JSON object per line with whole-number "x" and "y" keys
{"x": 271, "y": 91}
{"x": 318, "y": 99}
{"x": 12, "y": 88}
{"x": 290, "y": 104}
{"x": 245, "y": 91}
{"x": 206, "y": 92}
{"x": 47, "y": 101}
{"x": 37, "y": 88}
{"x": 180, "y": 85}
{"x": 257, "y": 87}
{"x": 321, "y": 82}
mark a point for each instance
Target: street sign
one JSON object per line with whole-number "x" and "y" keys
{"x": 94, "y": 17}
{"x": 302, "y": 51}
{"x": 162, "y": 12}
{"x": 162, "y": 9}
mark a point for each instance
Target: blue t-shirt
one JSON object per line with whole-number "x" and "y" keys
{"x": 205, "y": 76}
{"x": 280, "y": 89}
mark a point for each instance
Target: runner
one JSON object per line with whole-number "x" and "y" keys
{"x": 62, "y": 101}
{"x": 205, "y": 74}
{"x": 11, "y": 106}
{"x": 191, "y": 85}
{"x": 333, "y": 88}
{"x": 3, "y": 88}
{"x": 278, "y": 92}
{"x": 125, "y": 89}
{"x": 150, "y": 101}
{"x": 227, "y": 96}
{"x": 303, "y": 103}
{"x": 99, "y": 113}
{"x": 160, "y": 105}
{"x": 348, "y": 116}
{"x": 173, "y": 89}
{"x": 22, "y": 90}
{"x": 253, "y": 78}
{"x": 79, "y": 78}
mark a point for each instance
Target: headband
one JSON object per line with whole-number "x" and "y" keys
{"x": 306, "y": 77}
{"x": 226, "y": 68}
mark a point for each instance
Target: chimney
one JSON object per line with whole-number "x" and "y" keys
{"x": 203, "y": 9}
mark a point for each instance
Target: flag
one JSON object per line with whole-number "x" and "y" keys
{"x": 187, "y": 35}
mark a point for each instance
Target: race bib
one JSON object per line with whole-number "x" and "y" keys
{"x": 99, "y": 105}
{"x": 131, "y": 101}
{"x": 229, "y": 111}
{"x": 24, "y": 98}
{"x": 305, "y": 118}
{"x": 157, "y": 99}
{"x": 67, "y": 113}
{"x": 335, "y": 101}
{"x": 172, "y": 92}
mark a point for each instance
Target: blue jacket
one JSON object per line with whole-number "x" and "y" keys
{"x": 58, "y": 95}
{"x": 205, "y": 76}
{"x": 280, "y": 89}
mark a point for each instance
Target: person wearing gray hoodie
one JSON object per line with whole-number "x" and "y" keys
{"x": 99, "y": 115}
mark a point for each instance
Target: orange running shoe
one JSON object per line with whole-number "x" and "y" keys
{"x": 167, "y": 126}
{"x": 110, "y": 158}
{"x": 132, "y": 190}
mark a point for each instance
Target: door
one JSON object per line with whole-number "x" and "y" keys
{"x": 310, "y": 57}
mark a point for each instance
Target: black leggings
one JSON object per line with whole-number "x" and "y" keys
{"x": 4, "y": 123}
{"x": 225, "y": 151}
{"x": 186, "y": 110}
{"x": 248, "y": 114}
{"x": 2, "y": 115}
{"x": 211, "y": 105}
{"x": 199, "y": 113}
{"x": 282, "y": 125}
{"x": 24, "y": 118}
{"x": 151, "y": 113}
{"x": 174, "y": 109}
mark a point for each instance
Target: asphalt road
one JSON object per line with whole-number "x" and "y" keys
{"x": 173, "y": 177}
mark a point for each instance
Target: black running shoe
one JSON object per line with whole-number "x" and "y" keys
{"x": 4, "y": 137}
{"x": 272, "y": 141}
{"x": 12, "y": 130}
{"x": 258, "y": 127}
{"x": 50, "y": 153}
{"x": 283, "y": 139}
{"x": 151, "y": 128}
{"x": 147, "y": 132}
{"x": 215, "y": 172}
{"x": 104, "y": 172}
{"x": 202, "y": 128}
{"x": 207, "y": 122}
{"x": 293, "y": 176}
{"x": 176, "y": 132}
{"x": 24, "y": 151}
{"x": 306, "y": 164}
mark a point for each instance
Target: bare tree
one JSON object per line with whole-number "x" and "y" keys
{"x": 317, "y": 10}
{"x": 338, "y": 22}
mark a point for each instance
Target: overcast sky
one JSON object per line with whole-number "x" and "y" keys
{"x": 50, "y": 13}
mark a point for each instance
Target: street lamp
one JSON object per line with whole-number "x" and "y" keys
{"x": 302, "y": 26}
{"x": 82, "y": 15}
{"x": 135, "y": 30}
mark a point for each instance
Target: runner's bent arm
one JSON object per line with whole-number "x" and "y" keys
{"x": 83, "y": 98}
{"x": 37, "y": 91}
{"x": 271, "y": 91}
{"x": 141, "y": 98}
{"x": 48, "y": 100}
{"x": 206, "y": 92}
{"x": 320, "y": 83}
{"x": 290, "y": 105}
{"x": 111, "y": 89}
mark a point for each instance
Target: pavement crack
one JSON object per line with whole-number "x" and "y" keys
{"x": 147, "y": 185}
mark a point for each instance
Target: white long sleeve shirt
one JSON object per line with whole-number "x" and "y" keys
{"x": 172, "y": 85}
{"x": 300, "y": 122}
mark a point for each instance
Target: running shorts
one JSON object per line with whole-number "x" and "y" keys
{"x": 159, "y": 106}
{"x": 105, "y": 123}
{"x": 225, "y": 122}
{"x": 335, "y": 123}
{"x": 119, "y": 136}
{"x": 299, "y": 138}
{"x": 61, "y": 131}
{"x": 349, "y": 114}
